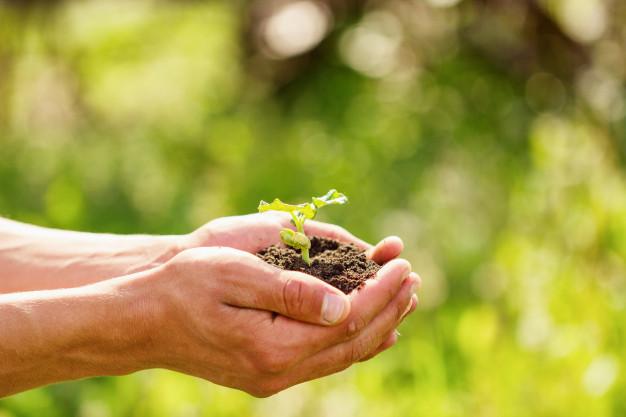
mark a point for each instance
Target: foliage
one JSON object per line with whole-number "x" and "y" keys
{"x": 299, "y": 214}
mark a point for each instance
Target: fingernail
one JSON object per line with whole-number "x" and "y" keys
{"x": 333, "y": 308}
{"x": 397, "y": 333}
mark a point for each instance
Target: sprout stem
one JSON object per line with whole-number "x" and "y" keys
{"x": 305, "y": 256}
{"x": 299, "y": 214}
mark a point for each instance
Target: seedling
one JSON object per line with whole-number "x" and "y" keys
{"x": 299, "y": 214}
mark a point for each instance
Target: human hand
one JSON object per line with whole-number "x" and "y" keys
{"x": 254, "y": 232}
{"x": 215, "y": 318}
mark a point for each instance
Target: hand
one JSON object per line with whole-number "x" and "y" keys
{"x": 254, "y": 232}
{"x": 215, "y": 319}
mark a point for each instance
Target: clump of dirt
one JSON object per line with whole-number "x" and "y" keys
{"x": 343, "y": 266}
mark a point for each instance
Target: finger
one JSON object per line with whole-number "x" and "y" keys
{"x": 391, "y": 340}
{"x": 386, "y": 250}
{"x": 414, "y": 303}
{"x": 375, "y": 334}
{"x": 367, "y": 304}
{"x": 418, "y": 280}
{"x": 393, "y": 336}
{"x": 332, "y": 231}
{"x": 341, "y": 356}
{"x": 376, "y": 294}
{"x": 246, "y": 281}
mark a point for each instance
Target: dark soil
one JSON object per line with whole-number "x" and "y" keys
{"x": 344, "y": 266}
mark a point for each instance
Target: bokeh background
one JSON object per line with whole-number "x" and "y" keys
{"x": 489, "y": 134}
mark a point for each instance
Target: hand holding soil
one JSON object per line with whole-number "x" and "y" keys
{"x": 204, "y": 304}
{"x": 271, "y": 317}
{"x": 227, "y": 316}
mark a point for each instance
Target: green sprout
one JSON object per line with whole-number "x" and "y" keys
{"x": 299, "y": 214}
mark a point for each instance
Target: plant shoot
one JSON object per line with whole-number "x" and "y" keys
{"x": 299, "y": 214}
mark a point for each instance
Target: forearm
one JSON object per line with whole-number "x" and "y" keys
{"x": 34, "y": 258}
{"x": 59, "y": 335}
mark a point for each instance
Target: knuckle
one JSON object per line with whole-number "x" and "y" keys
{"x": 355, "y": 326}
{"x": 293, "y": 295}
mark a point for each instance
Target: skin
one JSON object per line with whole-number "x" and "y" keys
{"x": 77, "y": 305}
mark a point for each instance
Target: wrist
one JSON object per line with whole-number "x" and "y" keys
{"x": 202, "y": 237}
{"x": 146, "y": 306}
{"x": 157, "y": 250}
{"x": 135, "y": 322}
{"x": 115, "y": 332}
{"x": 122, "y": 255}
{"x": 112, "y": 338}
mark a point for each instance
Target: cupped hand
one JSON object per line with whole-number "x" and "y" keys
{"x": 254, "y": 232}
{"x": 227, "y": 316}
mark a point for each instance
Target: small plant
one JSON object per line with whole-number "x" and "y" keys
{"x": 299, "y": 214}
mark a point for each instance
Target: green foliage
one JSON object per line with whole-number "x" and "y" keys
{"x": 299, "y": 214}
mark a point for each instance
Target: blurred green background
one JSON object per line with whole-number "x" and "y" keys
{"x": 489, "y": 134}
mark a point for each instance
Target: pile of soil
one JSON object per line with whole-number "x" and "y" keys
{"x": 343, "y": 266}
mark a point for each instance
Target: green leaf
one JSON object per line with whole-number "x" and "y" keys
{"x": 278, "y": 205}
{"x": 298, "y": 241}
{"x": 302, "y": 211}
{"x": 295, "y": 239}
{"x": 307, "y": 210}
{"x": 331, "y": 197}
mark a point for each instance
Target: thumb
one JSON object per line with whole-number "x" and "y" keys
{"x": 246, "y": 281}
{"x": 306, "y": 298}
